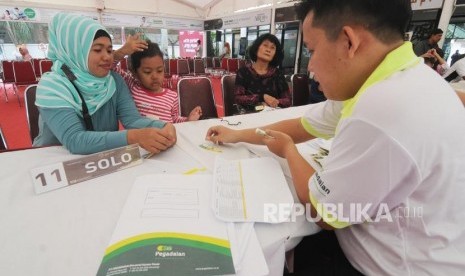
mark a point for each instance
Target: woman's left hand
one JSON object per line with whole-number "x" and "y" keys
{"x": 270, "y": 100}
{"x": 171, "y": 130}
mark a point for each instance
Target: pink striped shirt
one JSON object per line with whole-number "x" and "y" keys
{"x": 162, "y": 105}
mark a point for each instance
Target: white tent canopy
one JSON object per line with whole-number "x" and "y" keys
{"x": 194, "y": 9}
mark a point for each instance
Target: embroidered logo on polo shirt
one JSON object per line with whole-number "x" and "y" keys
{"x": 321, "y": 186}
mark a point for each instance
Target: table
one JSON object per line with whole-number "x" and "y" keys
{"x": 65, "y": 232}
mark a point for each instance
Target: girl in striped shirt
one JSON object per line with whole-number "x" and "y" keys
{"x": 145, "y": 82}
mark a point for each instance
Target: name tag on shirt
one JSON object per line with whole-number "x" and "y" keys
{"x": 59, "y": 175}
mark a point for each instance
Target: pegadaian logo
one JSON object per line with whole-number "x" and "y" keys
{"x": 164, "y": 251}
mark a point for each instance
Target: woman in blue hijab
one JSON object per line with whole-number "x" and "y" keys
{"x": 81, "y": 100}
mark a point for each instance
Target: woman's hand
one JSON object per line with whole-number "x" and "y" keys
{"x": 220, "y": 135}
{"x": 270, "y": 100}
{"x": 279, "y": 143}
{"x": 195, "y": 114}
{"x": 153, "y": 139}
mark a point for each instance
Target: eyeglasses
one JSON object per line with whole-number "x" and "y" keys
{"x": 231, "y": 124}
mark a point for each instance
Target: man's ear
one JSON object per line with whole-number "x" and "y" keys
{"x": 352, "y": 39}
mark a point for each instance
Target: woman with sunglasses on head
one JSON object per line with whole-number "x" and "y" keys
{"x": 81, "y": 102}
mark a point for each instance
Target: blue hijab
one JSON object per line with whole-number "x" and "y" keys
{"x": 71, "y": 37}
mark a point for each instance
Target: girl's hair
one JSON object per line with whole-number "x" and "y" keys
{"x": 278, "y": 56}
{"x": 152, "y": 51}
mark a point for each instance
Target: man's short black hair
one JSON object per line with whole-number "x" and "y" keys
{"x": 279, "y": 55}
{"x": 436, "y": 31}
{"x": 152, "y": 50}
{"x": 386, "y": 20}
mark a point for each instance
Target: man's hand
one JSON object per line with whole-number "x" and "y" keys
{"x": 220, "y": 135}
{"x": 279, "y": 143}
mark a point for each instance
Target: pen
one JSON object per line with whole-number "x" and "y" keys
{"x": 261, "y": 132}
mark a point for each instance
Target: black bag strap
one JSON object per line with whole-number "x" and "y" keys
{"x": 452, "y": 76}
{"x": 85, "y": 111}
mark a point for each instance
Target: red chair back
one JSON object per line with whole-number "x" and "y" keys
{"x": 173, "y": 67}
{"x": 199, "y": 66}
{"x": 183, "y": 67}
{"x": 300, "y": 89}
{"x": 196, "y": 92}
{"x": 224, "y": 63}
{"x": 24, "y": 73}
{"x": 233, "y": 65}
{"x": 45, "y": 66}
{"x": 36, "y": 64}
{"x": 228, "y": 84}
{"x": 8, "y": 73}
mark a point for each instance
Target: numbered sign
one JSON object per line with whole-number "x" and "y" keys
{"x": 51, "y": 177}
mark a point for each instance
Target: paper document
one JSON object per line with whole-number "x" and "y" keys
{"x": 250, "y": 190}
{"x": 167, "y": 228}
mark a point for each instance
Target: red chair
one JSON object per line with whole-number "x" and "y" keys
{"x": 233, "y": 65}
{"x": 199, "y": 67}
{"x": 45, "y": 66}
{"x": 173, "y": 66}
{"x": 208, "y": 62}
{"x": 224, "y": 64}
{"x": 32, "y": 112}
{"x": 228, "y": 84}
{"x": 216, "y": 62}
{"x": 183, "y": 67}
{"x": 36, "y": 64}
{"x": 242, "y": 63}
{"x": 191, "y": 66}
{"x": 194, "y": 92}
{"x": 8, "y": 77}
{"x": 24, "y": 73}
{"x": 300, "y": 89}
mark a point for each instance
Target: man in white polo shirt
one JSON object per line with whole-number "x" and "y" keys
{"x": 392, "y": 187}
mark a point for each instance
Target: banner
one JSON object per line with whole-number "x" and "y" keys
{"x": 188, "y": 42}
{"x": 426, "y": 4}
{"x": 257, "y": 18}
{"x": 37, "y": 15}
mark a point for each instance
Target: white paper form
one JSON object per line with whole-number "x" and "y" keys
{"x": 314, "y": 152}
{"x": 191, "y": 138}
{"x": 167, "y": 226}
{"x": 250, "y": 190}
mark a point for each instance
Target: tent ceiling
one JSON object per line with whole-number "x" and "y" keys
{"x": 201, "y": 4}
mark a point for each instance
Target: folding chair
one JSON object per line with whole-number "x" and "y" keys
{"x": 8, "y": 77}
{"x": 224, "y": 64}
{"x": 300, "y": 89}
{"x": 191, "y": 66}
{"x": 45, "y": 66}
{"x": 36, "y": 65}
{"x": 3, "y": 144}
{"x": 183, "y": 67}
{"x": 24, "y": 73}
{"x": 194, "y": 92}
{"x": 199, "y": 67}
{"x": 208, "y": 62}
{"x": 32, "y": 112}
{"x": 233, "y": 65}
{"x": 216, "y": 62}
{"x": 228, "y": 84}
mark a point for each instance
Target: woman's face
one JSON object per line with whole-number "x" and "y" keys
{"x": 266, "y": 51}
{"x": 100, "y": 57}
{"x": 151, "y": 73}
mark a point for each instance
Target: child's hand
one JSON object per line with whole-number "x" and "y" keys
{"x": 134, "y": 44}
{"x": 195, "y": 114}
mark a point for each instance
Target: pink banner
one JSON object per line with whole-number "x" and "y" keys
{"x": 188, "y": 42}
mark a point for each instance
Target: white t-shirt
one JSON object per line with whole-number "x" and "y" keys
{"x": 459, "y": 68}
{"x": 395, "y": 174}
